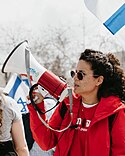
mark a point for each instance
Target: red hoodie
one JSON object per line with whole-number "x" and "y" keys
{"x": 97, "y": 142}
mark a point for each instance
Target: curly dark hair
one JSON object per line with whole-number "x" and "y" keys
{"x": 108, "y": 66}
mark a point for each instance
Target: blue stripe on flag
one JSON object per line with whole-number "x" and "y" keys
{"x": 15, "y": 87}
{"x": 116, "y": 21}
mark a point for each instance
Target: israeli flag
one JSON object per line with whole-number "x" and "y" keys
{"x": 18, "y": 90}
{"x": 112, "y": 15}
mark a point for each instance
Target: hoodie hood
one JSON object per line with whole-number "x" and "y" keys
{"x": 108, "y": 106}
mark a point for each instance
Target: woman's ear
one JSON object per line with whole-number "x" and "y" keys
{"x": 100, "y": 80}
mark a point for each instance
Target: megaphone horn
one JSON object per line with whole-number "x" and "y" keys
{"x": 16, "y": 63}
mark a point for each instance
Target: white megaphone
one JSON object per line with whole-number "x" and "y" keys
{"x": 21, "y": 61}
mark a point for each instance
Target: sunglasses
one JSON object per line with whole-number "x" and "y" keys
{"x": 80, "y": 74}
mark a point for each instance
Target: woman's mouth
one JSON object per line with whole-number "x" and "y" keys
{"x": 76, "y": 86}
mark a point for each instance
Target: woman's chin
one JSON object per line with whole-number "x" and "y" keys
{"x": 76, "y": 91}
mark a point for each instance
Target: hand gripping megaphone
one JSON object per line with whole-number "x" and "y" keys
{"x": 16, "y": 62}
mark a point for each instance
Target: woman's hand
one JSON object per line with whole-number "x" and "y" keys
{"x": 37, "y": 97}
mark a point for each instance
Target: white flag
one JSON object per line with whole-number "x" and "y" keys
{"x": 18, "y": 90}
{"x": 112, "y": 15}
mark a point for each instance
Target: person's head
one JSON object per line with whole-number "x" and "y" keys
{"x": 99, "y": 74}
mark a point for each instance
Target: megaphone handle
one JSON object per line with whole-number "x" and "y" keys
{"x": 32, "y": 101}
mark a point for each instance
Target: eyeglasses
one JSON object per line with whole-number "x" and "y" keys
{"x": 80, "y": 74}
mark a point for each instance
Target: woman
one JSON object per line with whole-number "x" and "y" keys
{"x": 12, "y": 139}
{"x": 98, "y": 95}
